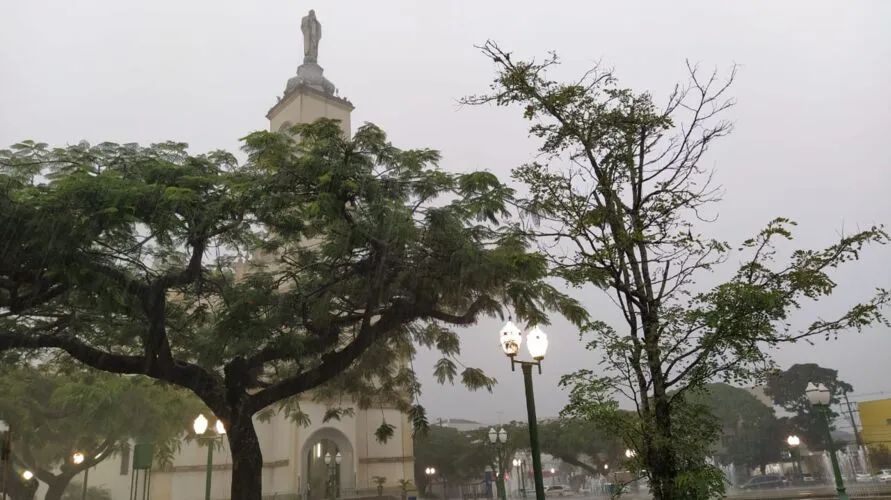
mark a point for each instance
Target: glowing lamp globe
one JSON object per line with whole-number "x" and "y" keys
{"x": 511, "y": 338}
{"x": 28, "y": 475}
{"x": 338, "y": 458}
{"x": 493, "y": 435}
{"x": 77, "y": 458}
{"x": 200, "y": 425}
{"x": 327, "y": 459}
{"x": 537, "y": 343}
{"x": 502, "y": 435}
{"x": 220, "y": 428}
{"x": 818, "y": 394}
{"x": 793, "y": 441}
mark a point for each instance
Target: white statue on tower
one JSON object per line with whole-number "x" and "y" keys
{"x": 310, "y": 73}
{"x": 312, "y": 33}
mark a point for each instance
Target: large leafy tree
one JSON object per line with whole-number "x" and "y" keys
{"x": 787, "y": 389}
{"x": 753, "y": 436}
{"x": 57, "y": 410}
{"x": 452, "y": 453}
{"x": 125, "y": 257}
{"x": 581, "y": 443}
{"x": 617, "y": 195}
{"x": 499, "y": 456}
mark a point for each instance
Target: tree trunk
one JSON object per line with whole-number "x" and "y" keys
{"x": 663, "y": 460}
{"x": 56, "y": 489}
{"x": 247, "y": 459}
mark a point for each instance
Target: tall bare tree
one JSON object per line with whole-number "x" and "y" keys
{"x": 617, "y": 197}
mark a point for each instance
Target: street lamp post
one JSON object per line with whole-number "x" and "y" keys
{"x": 630, "y": 454}
{"x": 819, "y": 398}
{"x": 332, "y": 467}
{"x": 518, "y": 465}
{"x": 78, "y": 458}
{"x": 430, "y": 472}
{"x": 5, "y": 453}
{"x": 794, "y": 441}
{"x": 537, "y": 344}
{"x": 498, "y": 440}
{"x": 200, "y": 426}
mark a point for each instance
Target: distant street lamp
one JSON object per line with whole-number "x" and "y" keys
{"x": 793, "y": 441}
{"x": 333, "y": 467}
{"x": 498, "y": 440}
{"x": 27, "y": 475}
{"x": 200, "y": 426}
{"x": 819, "y": 398}
{"x": 430, "y": 472}
{"x": 537, "y": 344}
{"x": 629, "y": 454}
{"x": 78, "y": 458}
{"x": 518, "y": 465}
{"x": 5, "y": 453}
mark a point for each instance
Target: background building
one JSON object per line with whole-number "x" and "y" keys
{"x": 293, "y": 455}
{"x": 875, "y": 422}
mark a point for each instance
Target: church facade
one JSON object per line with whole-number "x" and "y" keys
{"x": 294, "y": 455}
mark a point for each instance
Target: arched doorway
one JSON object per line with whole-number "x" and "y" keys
{"x": 323, "y": 480}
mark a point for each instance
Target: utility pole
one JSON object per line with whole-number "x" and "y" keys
{"x": 853, "y": 423}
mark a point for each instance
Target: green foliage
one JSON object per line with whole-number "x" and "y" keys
{"x": 753, "y": 435}
{"x": 379, "y": 482}
{"x": 384, "y": 432}
{"x": 131, "y": 259}
{"x": 57, "y": 410}
{"x": 617, "y": 192}
{"x": 452, "y": 453}
{"x": 581, "y": 443}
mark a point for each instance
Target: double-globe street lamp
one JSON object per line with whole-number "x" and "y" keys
{"x": 430, "y": 472}
{"x": 537, "y": 344}
{"x": 498, "y": 439}
{"x": 200, "y": 426}
{"x": 819, "y": 397}
{"x": 332, "y": 466}
{"x": 520, "y": 466}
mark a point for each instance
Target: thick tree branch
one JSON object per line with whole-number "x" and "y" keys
{"x": 193, "y": 377}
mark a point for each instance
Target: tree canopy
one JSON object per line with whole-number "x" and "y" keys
{"x": 58, "y": 410}
{"x": 130, "y": 259}
{"x": 752, "y": 435}
{"x": 618, "y": 196}
{"x": 451, "y": 452}
{"x": 787, "y": 389}
{"x": 581, "y": 443}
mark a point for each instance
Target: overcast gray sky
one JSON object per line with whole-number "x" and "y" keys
{"x": 814, "y": 112}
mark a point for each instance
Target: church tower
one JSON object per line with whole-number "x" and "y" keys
{"x": 309, "y": 95}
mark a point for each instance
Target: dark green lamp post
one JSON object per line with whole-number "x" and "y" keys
{"x": 200, "y": 426}
{"x": 537, "y": 344}
{"x": 820, "y": 397}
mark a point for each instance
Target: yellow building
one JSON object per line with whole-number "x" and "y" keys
{"x": 875, "y": 421}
